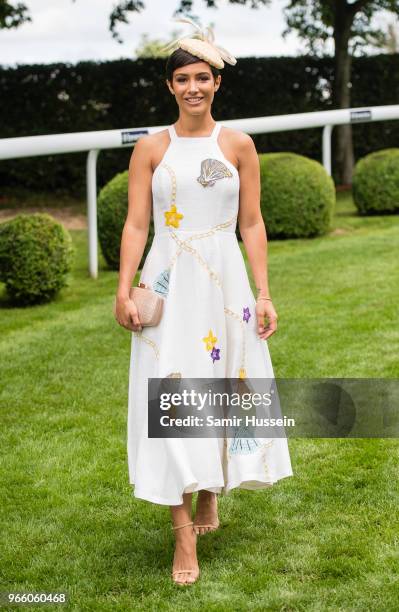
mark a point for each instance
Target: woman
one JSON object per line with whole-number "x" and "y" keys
{"x": 200, "y": 178}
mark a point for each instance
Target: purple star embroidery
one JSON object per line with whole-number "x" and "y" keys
{"x": 246, "y": 314}
{"x": 215, "y": 354}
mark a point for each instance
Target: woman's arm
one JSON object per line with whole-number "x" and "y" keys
{"x": 253, "y": 231}
{"x": 135, "y": 230}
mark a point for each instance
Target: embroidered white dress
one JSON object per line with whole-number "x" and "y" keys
{"x": 208, "y": 327}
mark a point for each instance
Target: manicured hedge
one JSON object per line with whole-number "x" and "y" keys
{"x": 88, "y": 96}
{"x": 297, "y": 201}
{"x": 36, "y": 255}
{"x": 297, "y": 196}
{"x": 112, "y": 211}
{"x": 375, "y": 185}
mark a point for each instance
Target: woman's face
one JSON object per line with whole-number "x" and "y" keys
{"x": 194, "y": 87}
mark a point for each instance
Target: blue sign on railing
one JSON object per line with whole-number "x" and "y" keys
{"x": 129, "y": 136}
{"x": 361, "y": 115}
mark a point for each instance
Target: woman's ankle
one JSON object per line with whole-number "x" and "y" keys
{"x": 182, "y": 514}
{"x": 206, "y": 493}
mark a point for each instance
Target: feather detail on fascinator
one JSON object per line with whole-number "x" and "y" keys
{"x": 202, "y": 45}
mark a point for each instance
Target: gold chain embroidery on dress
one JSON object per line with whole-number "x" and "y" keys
{"x": 140, "y": 335}
{"x": 173, "y": 179}
{"x": 172, "y": 216}
{"x": 183, "y": 245}
{"x": 210, "y": 232}
{"x": 263, "y": 450}
{"x": 241, "y": 322}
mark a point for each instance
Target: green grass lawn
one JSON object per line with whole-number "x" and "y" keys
{"x": 326, "y": 539}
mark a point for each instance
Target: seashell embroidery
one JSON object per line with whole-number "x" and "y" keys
{"x": 212, "y": 170}
{"x": 161, "y": 283}
{"x": 243, "y": 446}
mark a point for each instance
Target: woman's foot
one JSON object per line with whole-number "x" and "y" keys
{"x": 185, "y": 564}
{"x": 206, "y": 515}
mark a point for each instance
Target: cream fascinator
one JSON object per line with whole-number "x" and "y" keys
{"x": 202, "y": 45}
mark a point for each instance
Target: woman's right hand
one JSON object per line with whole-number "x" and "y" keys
{"x": 126, "y": 314}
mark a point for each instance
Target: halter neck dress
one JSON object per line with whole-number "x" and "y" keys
{"x": 208, "y": 327}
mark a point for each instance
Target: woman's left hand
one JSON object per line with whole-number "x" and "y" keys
{"x": 265, "y": 308}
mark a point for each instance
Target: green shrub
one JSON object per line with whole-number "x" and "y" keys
{"x": 297, "y": 196}
{"x": 375, "y": 183}
{"x": 36, "y": 255}
{"x": 112, "y": 212}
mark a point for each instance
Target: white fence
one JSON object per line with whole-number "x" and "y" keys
{"x": 93, "y": 142}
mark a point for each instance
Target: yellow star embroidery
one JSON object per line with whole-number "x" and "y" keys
{"x": 242, "y": 373}
{"x": 172, "y": 216}
{"x": 210, "y": 341}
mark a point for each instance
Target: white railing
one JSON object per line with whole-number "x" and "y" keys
{"x": 93, "y": 142}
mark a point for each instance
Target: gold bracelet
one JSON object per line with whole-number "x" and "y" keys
{"x": 263, "y": 298}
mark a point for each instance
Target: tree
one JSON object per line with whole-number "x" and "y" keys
{"x": 13, "y": 15}
{"x": 154, "y": 47}
{"x": 350, "y": 25}
{"x": 347, "y": 23}
{"x": 390, "y": 43}
{"x": 121, "y": 11}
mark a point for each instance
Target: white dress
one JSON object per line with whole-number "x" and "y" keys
{"x": 208, "y": 327}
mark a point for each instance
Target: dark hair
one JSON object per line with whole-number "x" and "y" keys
{"x": 180, "y": 58}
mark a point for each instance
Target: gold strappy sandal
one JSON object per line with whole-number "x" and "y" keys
{"x": 184, "y": 571}
{"x": 209, "y": 527}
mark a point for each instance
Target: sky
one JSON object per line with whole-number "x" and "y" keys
{"x": 66, "y": 31}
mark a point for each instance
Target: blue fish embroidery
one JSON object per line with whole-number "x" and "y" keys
{"x": 161, "y": 283}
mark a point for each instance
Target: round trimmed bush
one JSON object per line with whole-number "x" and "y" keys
{"x": 36, "y": 255}
{"x": 375, "y": 183}
{"x": 112, "y": 210}
{"x": 297, "y": 196}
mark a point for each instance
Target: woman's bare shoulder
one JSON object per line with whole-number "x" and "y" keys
{"x": 239, "y": 144}
{"x": 152, "y": 146}
{"x": 238, "y": 138}
{"x": 153, "y": 140}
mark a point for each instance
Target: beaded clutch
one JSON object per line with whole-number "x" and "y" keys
{"x": 149, "y": 304}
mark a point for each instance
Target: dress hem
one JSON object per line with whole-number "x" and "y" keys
{"x": 223, "y": 490}
{"x": 163, "y": 501}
